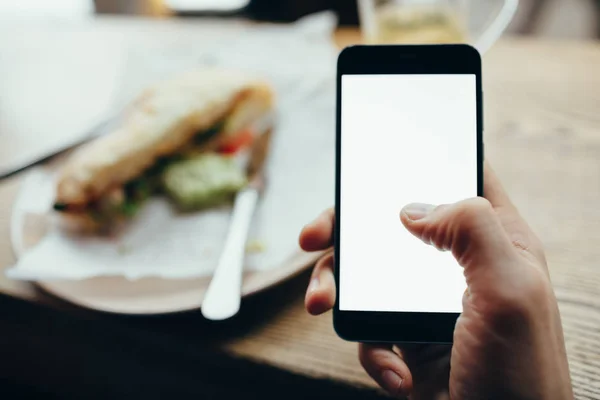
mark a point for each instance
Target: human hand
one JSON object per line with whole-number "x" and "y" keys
{"x": 508, "y": 341}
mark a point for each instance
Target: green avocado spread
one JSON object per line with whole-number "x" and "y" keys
{"x": 202, "y": 181}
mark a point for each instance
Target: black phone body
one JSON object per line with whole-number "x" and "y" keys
{"x": 409, "y": 129}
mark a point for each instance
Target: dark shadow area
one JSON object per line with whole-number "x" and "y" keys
{"x": 291, "y": 10}
{"x": 256, "y": 311}
{"x": 53, "y": 353}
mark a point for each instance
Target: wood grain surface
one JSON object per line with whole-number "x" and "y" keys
{"x": 542, "y": 136}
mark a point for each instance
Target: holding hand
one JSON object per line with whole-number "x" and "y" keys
{"x": 508, "y": 341}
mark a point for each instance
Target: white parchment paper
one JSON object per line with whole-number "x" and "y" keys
{"x": 299, "y": 60}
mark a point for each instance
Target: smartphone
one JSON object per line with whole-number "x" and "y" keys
{"x": 409, "y": 129}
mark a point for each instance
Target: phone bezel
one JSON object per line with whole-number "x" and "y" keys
{"x": 401, "y": 327}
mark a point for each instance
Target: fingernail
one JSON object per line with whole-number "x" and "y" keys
{"x": 417, "y": 211}
{"x": 314, "y": 284}
{"x": 391, "y": 381}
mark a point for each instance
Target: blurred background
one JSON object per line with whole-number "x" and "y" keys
{"x": 547, "y": 18}
{"x": 69, "y": 66}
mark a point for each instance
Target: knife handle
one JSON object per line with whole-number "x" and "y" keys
{"x": 222, "y": 299}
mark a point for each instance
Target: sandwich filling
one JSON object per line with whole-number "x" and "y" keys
{"x": 192, "y": 178}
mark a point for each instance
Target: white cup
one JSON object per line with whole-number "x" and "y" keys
{"x": 432, "y": 21}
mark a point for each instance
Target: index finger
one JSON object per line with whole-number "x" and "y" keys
{"x": 318, "y": 235}
{"x": 520, "y": 233}
{"x": 493, "y": 190}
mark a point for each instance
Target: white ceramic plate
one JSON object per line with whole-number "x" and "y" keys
{"x": 145, "y": 296}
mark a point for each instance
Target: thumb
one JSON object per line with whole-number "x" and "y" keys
{"x": 470, "y": 229}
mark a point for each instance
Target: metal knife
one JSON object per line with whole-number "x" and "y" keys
{"x": 223, "y": 297}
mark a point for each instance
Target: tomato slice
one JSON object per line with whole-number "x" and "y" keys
{"x": 237, "y": 142}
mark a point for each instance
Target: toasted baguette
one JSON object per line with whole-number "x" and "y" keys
{"x": 160, "y": 123}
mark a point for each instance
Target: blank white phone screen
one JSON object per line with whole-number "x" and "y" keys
{"x": 404, "y": 139}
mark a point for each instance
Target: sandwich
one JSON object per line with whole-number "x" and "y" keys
{"x": 177, "y": 138}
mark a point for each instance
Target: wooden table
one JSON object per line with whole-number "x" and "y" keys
{"x": 542, "y": 135}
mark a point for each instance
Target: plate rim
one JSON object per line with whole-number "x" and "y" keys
{"x": 284, "y": 274}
